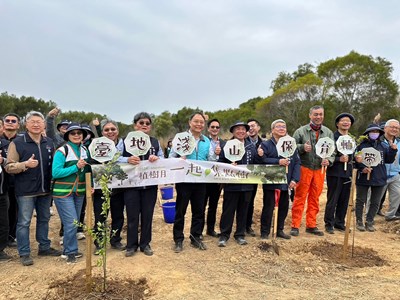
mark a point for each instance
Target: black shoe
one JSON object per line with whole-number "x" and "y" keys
{"x": 294, "y": 231}
{"x": 71, "y": 259}
{"x": 360, "y": 226}
{"x": 212, "y": 233}
{"x": 264, "y": 236}
{"x": 77, "y": 255}
{"x": 178, "y": 247}
{"x": 222, "y": 242}
{"x": 197, "y": 243}
{"x": 241, "y": 241}
{"x": 26, "y": 260}
{"x": 329, "y": 229}
{"x": 49, "y": 252}
{"x": 12, "y": 244}
{"x": 4, "y": 256}
{"x": 118, "y": 246}
{"x": 315, "y": 231}
{"x": 130, "y": 252}
{"x": 201, "y": 237}
{"x": 340, "y": 227}
{"x": 147, "y": 250}
{"x": 250, "y": 231}
{"x": 283, "y": 235}
{"x": 389, "y": 219}
{"x": 369, "y": 226}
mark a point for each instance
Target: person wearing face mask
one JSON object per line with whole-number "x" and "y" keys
{"x": 378, "y": 176}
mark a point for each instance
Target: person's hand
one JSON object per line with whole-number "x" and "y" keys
{"x": 81, "y": 163}
{"x": 153, "y": 158}
{"x": 284, "y": 162}
{"x": 292, "y": 185}
{"x": 31, "y": 162}
{"x": 392, "y": 145}
{"x": 217, "y": 149}
{"x": 325, "y": 162}
{"x": 1, "y": 158}
{"x": 134, "y": 160}
{"x": 54, "y": 112}
{"x": 358, "y": 158}
{"x": 96, "y": 121}
{"x": 344, "y": 158}
{"x": 307, "y": 146}
{"x": 367, "y": 170}
{"x": 260, "y": 151}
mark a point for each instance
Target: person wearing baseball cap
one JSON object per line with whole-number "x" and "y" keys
{"x": 56, "y": 132}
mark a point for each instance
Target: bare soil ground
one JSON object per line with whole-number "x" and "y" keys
{"x": 308, "y": 267}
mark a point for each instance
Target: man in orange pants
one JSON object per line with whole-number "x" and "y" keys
{"x": 311, "y": 178}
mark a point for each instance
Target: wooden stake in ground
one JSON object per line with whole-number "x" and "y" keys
{"x": 89, "y": 224}
{"x": 349, "y": 213}
{"x": 275, "y": 219}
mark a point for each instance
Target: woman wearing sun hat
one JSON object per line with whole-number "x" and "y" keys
{"x": 69, "y": 168}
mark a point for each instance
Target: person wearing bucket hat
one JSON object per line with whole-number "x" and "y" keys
{"x": 337, "y": 179}
{"x": 90, "y": 134}
{"x": 237, "y": 196}
{"x": 69, "y": 186}
{"x": 140, "y": 201}
{"x": 312, "y": 179}
{"x": 56, "y": 133}
{"x": 371, "y": 178}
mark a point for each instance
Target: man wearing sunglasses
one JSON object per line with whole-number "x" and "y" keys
{"x": 11, "y": 123}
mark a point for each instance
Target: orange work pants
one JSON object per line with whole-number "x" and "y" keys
{"x": 311, "y": 184}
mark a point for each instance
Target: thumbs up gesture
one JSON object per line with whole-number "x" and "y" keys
{"x": 217, "y": 149}
{"x": 31, "y": 162}
{"x": 307, "y": 146}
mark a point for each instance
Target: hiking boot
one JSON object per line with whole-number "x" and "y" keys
{"x": 71, "y": 259}
{"x": 178, "y": 247}
{"x": 213, "y": 233}
{"x": 4, "y": 256}
{"x": 147, "y": 250}
{"x": 26, "y": 260}
{"x": 130, "y": 252}
{"x": 329, "y": 229}
{"x": 222, "y": 242}
{"x": 369, "y": 226}
{"x": 360, "y": 226}
{"x": 198, "y": 244}
{"x": 77, "y": 255}
{"x": 49, "y": 252}
{"x": 315, "y": 231}
{"x": 389, "y": 219}
{"x": 250, "y": 231}
{"x": 283, "y": 235}
{"x": 241, "y": 241}
{"x": 294, "y": 231}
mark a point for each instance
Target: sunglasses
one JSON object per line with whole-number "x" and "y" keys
{"x": 144, "y": 123}
{"x": 78, "y": 132}
{"x": 110, "y": 129}
{"x": 214, "y": 127}
{"x": 10, "y": 121}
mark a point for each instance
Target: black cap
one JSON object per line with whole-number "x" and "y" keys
{"x": 63, "y": 122}
{"x": 89, "y": 130}
{"x": 74, "y": 126}
{"x": 372, "y": 127}
{"x": 239, "y": 124}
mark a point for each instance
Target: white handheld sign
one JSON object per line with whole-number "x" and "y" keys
{"x": 234, "y": 150}
{"x": 183, "y": 143}
{"x": 286, "y": 147}
{"x": 371, "y": 158}
{"x": 102, "y": 149}
{"x": 346, "y": 145}
{"x": 324, "y": 148}
{"x": 137, "y": 143}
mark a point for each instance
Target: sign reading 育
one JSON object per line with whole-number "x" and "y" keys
{"x": 234, "y": 150}
{"x": 183, "y": 143}
{"x": 137, "y": 143}
{"x": 324, "y": 148}
{"x": 102, "y": 149}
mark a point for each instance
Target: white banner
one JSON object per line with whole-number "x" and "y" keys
{"x": 175, "y": 170}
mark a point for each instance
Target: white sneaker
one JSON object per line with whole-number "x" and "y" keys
{"x": 61, "y": 240}
{"x": 51, "y": 211}
{"x": 80, "y": 236}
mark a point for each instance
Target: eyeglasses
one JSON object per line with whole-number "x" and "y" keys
{"x": 11, "y": 121}
{"x": 394, "y": 127}
{"x": 109, "y": 129}
{"x": 280, "y": 127}
{"x": 37, "y": 122}
{"x": 78, "y": 132}
{"x": 214, "y": 127}
{"x": 144, "y": 123}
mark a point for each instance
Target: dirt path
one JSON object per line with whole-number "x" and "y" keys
{"x": 308, "y": 268}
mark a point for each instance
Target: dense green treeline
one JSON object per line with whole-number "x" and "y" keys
{"x": 355, "y": 83}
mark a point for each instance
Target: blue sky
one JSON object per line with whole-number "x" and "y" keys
{"x": 121, "y": 57}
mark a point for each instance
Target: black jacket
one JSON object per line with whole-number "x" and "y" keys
{"x": 337, "y": 168}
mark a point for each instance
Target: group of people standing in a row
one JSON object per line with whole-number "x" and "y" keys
{"x": 39, "y": 168}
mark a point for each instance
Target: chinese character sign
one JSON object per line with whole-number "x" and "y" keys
{"x": 102, "y": 149}
{"x": 286, "y": 146}
{"x": 234, "y": 150}
{"x": 346, "y": 144}
{"x": 137, "y": 143}
{"x": 183, "y": 143}
{"x": 371, "y": 157}
{"x": 325, "y": 147}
